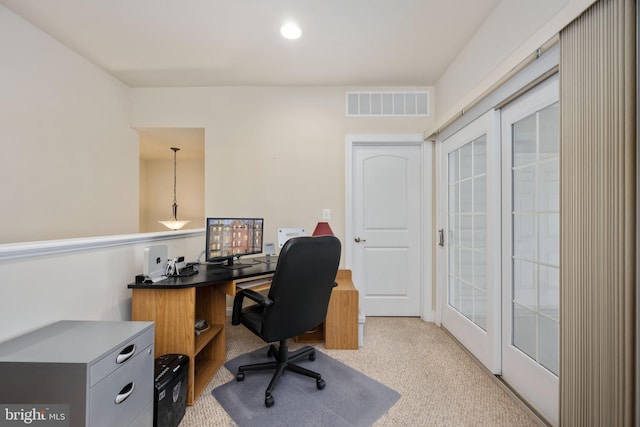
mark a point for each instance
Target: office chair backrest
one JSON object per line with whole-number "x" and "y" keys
{"x": 301, "y": 286}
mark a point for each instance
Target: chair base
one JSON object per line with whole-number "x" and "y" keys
{"x": 283, "y": 362}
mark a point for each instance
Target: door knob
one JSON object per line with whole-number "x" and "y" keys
{"x": 358, "y": 240}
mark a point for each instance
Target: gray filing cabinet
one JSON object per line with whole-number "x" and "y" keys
{"x": 103, "y": 371}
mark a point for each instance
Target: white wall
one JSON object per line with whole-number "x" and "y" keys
{"x": 273, "y": 152}
{"x": 69, "y": 162}
{"x": 70, "y": 159}
{"x": 89, "y": 284}
{"x": 68, "y": 168}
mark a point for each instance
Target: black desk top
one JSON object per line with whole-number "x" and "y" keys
{"x": 213, "y": 275}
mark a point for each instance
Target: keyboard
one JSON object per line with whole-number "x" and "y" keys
{"x": 253, "y": 283}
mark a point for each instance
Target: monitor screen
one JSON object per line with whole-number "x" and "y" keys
{"x": 228, "y": 238}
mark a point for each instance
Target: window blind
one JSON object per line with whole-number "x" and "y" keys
{"x": 598, "y": 193}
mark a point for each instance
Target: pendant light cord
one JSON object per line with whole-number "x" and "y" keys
{"x": 175, "y": 173}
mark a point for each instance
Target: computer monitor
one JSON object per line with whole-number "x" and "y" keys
{"x": 229, "y": 238}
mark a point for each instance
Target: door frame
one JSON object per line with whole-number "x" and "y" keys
{"x": 427, "y": 289}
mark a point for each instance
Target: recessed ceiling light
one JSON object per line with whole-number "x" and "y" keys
{"x": 290, "y": 31}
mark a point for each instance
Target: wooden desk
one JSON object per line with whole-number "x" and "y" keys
{"x": 340, "y": 328}
{"x": 341, "y": 324}
{"x": 175, "y": 303}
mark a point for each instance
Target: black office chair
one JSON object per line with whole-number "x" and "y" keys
{"x": 297, "y": 302}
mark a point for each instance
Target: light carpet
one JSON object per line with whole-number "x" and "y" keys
{"x": 439, "y": 382}
{"x": 350, "y": 399}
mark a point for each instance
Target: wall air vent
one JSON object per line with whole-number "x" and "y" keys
{"x": 388, "y": 104}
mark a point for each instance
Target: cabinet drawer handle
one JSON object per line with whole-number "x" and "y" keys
{"x": 125, "y": 393}
{"x": 126, "y": 353}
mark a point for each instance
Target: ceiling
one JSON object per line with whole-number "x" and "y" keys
{"x": 154, "y": 43}
{"x": 156, "y": 143}
{"x": 179, "y": 43}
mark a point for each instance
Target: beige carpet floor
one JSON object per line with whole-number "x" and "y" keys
{"x": 439, "y": 382}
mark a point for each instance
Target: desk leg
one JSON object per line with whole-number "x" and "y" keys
{"x": 210, "y": 346}
{"x": 341, "y": 324}
{"x": 173, "y": 311}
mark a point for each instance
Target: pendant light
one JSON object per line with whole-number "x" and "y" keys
{"x": 174, "y": 224}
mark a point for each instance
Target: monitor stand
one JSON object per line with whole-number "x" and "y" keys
{"x": 234, "y": 266}
{"x": 230, "y": 265}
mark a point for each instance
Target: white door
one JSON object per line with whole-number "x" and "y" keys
{"x": 470, "y": 190}
{"x": 531, "y": 246}
{"x": 387, "y": 227}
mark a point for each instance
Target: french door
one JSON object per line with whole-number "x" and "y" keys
{"x": 531, "y": 246}
{"x": 499, "y": 264}
{"x": 471, "y": 185}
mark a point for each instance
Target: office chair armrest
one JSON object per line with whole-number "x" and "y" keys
{"x": 256, "y": 297}
{"x": 253, "y": 296}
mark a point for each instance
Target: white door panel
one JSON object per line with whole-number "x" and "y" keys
{"x": 387, "y": 209}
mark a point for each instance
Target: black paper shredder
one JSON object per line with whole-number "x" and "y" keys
{"x": 170, "y": 394}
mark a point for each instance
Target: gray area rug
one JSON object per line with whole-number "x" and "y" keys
{"x": 350, "y": 398}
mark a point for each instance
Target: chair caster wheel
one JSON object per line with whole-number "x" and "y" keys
{"x": 320, "y": 384}
{"x": 268, "y": 401}
{"x": 312, "y": 356}
{"x": 240, "y": 376}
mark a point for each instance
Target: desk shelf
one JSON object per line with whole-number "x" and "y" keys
{"x": 205, "y": 338}
{"x": 207, "y": 362}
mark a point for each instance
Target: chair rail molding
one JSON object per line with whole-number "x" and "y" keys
{"x": 49, "y": 247}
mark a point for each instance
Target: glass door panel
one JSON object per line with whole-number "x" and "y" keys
{"x": 536, "y": 238}
{"x": 531, "y": 242}
{"x": 467, "y": 231}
